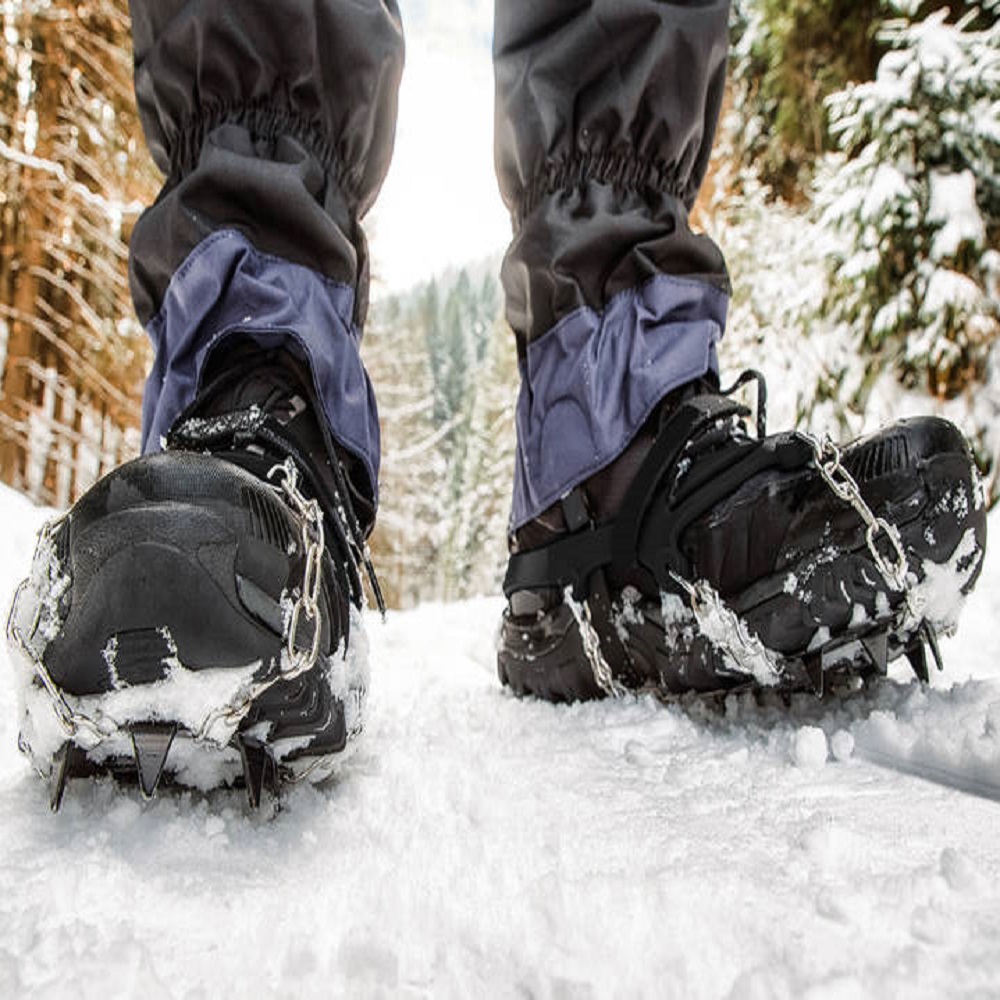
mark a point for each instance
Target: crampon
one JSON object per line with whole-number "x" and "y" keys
{"x": 195, "y": 618}
{"x": 751, "y": 561}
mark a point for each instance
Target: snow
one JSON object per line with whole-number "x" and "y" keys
{"x": 953, "y": 206}
{"x": 937, "y": 589}
{"x": 889, "y": 186}
{"x": 480, "y": 845}
{"x": 809, "y": 747}
{"x": 949, "y": 289}
{"x": 744, "y": 652}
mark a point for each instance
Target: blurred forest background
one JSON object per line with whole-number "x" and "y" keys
{"x": 855, "y": 189}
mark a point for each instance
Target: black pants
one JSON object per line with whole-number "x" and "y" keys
{"x": 274, "y": 122}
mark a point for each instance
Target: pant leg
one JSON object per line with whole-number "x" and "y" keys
{"x": 273, "y": 122}
{"x": 605, "y": 115}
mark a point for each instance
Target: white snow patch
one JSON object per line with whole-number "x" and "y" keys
{"x": 951, "y": 737}
{"x": 627, "y": 612}
{"x": 819, "y": 638}
{"x": 184, "y": 696}
{"x": 809, "y": 748}
{"x": 751, "y": 658}
{"x": 953, "y": 205}
{"x": 949, "y": 289}
{"x": 842, "y": 745}
{"x": 674, "y": 610}
{"x": 889, "y": 185}
{"x": 938, "y": 596}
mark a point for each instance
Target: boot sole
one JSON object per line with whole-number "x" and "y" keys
{"x": 160, "y": 600}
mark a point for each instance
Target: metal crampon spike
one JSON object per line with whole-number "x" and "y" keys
{"x": 877, "y": 647}
{"x": 259, "y": 770}
{"x": 151, "y": 743}
{"x": 929, "y": 633}
{"x": 814, "y": 665}
{"x": 917, "y": 656}
{"x": 64, "y": 764}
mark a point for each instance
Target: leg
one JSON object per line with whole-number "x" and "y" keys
{"x": 655, "y": 543}
{"x": 274, "y": 128}
{"x": 605, "y": 118}
{"x": 235, "y": 552}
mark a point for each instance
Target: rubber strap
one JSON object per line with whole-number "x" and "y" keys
{"x": 658, "y": 549}
{"x": 634, "y": 537}
{"x": 677, "y": 431}
{"x": 571, "y": 559}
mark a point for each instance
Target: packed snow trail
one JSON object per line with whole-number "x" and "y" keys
{"x": 480, "y": 845}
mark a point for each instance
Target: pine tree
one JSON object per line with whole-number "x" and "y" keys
{"x": 788, "y": 56}
{"x": 405, "y": 542}
{"x": 445, "y": 369}
{"x": 482, "y": 472}
{"x": 915, "y": 197}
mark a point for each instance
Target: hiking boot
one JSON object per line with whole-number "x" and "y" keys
{"x": 195, "y": 616}
{"x": 709, "y": 559}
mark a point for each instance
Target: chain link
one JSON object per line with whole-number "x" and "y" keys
{"x": 70, "y": 721}
{"x": 599, "y": 666}
{"x": 727, "y": 631}
{"x": 725, "y": 628}
{"x": 313, "y": 542}
{"x": 895, "y": 569}
{"x": 299, "y": 659}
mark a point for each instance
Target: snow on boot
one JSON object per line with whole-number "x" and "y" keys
{"x": 195, "y": 616}
{"x": 733, "y": 560}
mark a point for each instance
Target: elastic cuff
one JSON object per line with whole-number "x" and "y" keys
{"x": 590, "y": 383}
{"x": 226, "y": 287}
{"x": 621, "y": 170}
{"x": 265, "y": 120}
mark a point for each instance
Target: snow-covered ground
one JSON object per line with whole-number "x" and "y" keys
{"x": 481, "y": 846}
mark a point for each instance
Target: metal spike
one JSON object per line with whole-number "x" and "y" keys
{"x": 830, "y": 656}
{"x": 877, "y": 647}
{"x": 60, "y": 772}
{"x": 151, "y": 743}
{"x": 814, "y": 663}
{"x": 930, "y": 634}
{"x": 258, "y": 769}
{"x": 917, "y": 656}
{"x": 69, "y": 761}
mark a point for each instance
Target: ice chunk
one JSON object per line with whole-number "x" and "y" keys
{"x": 809, "y": 747}
{"x": 842, "y": 745}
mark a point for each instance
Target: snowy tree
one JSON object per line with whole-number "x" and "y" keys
{"x": 915, "y": 197}
{"x": 73, "y": 177}
{"x": 404, "y": 544}
{"x": 475, "y": 543}
{"x": 787, "y": 57}
{"x": 446, "y": 375}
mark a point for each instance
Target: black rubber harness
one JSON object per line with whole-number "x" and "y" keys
{"x": 665, "y": 498}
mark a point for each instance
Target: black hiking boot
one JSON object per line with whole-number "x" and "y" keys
{"x": 706, "y": 559}
{"x": 195, "y": 616}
